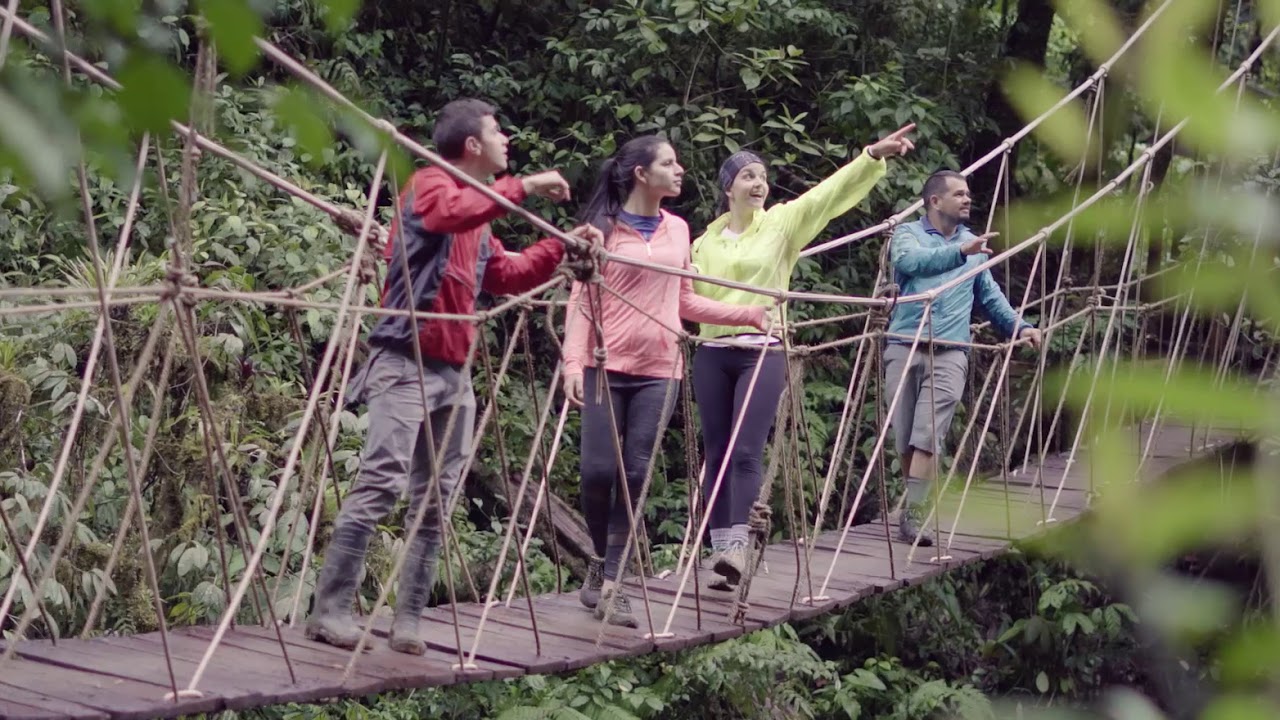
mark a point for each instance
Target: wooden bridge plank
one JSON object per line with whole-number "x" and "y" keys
{"x": 576, "y": 623}
{"x": 377, "y": 670}
{"x": 20, "y": 703}
{"x": 322, "y": 660}
{"x": 713, "y": 626}
{"x": 96, "y": 657}
{"x": 574, "y": 653}
{"x": 117, "y": 697}
{"x": 505, "y": 650}
{"x": 268, "y": 676}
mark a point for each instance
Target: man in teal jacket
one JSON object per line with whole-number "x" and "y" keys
{"x": 925, "y": 255}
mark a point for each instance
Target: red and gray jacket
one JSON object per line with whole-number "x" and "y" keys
{"x": 444, "y": 230}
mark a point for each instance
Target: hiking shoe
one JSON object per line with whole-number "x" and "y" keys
{"x": 910, "y": 524}
{"x": 722, "y": 584}
{"x": 589, "y": 595}
{"x": 731, "y": 563}
{"x": 615, "y": 606}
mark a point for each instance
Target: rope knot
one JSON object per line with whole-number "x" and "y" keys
{"x": 175, "y": 280}
{"x": 601, "y": 355}
{"x": 584, "y": 263}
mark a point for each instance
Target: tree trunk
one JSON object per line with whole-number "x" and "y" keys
{"x": 1028, "y": 40}
{"x": 569, "y": 531}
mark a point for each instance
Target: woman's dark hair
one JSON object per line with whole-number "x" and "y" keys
{"x": 617, "y": 179}
{"x": 458, "y": 121}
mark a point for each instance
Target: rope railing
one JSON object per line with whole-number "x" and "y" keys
{"x": 1109, "y": 300}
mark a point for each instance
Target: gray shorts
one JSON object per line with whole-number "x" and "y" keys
{"x": 923, "y": 414}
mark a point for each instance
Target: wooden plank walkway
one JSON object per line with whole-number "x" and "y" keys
{"x": 126, "y": 677}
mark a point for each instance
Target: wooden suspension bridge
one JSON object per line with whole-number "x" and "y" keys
{"x": 123, "y": 677}
{"x": 186, "y": 670}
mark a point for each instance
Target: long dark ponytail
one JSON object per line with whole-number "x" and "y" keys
{"x": 617, "y": 179}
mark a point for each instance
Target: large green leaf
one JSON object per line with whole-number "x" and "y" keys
{"x": 339, "y": 13}
{"x": 1032, "y": 94}
{"x": 1179, "y": 80}
{"x": 1096, "y": 25}
{"x": 301, "y": 112}
{"x": 234, "y": 25}
{"x": 44, "y": 157}
{"x": 155, "y": 92}
{"x": 1188, "y": 393}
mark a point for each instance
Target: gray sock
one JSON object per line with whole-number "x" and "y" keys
{"x": 918, "y": 491}
{"x": 720, "y": 539}
{"x": 740, "y": 534}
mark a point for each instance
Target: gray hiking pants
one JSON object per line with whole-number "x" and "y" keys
{"x": 399, "y": 450}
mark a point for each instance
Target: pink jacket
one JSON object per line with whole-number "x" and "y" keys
{"x": 636, "y": 344}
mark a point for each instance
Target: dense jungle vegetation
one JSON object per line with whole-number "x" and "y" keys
{"x": 803, "y": 82}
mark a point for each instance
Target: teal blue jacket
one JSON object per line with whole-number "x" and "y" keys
{"x": 922, "y": 260}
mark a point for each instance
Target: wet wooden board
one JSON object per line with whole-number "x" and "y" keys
{"x": 127, "y": 677}
{"x": 24, "y": 704}
{"x": 117, "y": 697}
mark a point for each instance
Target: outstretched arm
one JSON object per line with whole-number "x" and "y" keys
{"x": 803, "y": 218}
{"x": 447, "y": 207}
{"x": 509, "y": 274}
{"x": 913, "y": 259}
{"x": 807, "y": 215}
{"x": 996, "y": 306}
{"x": 699, "y": 309}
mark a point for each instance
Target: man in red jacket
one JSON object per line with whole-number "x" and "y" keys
{"x": 441, "y": 256}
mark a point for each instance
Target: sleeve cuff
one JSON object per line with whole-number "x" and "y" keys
{"x": 511, "y": 188}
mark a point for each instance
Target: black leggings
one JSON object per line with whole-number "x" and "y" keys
{"x": 720, "y": 379}
{"x": 642, "y": 406}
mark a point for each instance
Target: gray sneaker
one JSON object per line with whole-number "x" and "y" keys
{"x": 722, "y": 584}
{"x": 617, "y": 607}
{"x": 909, "y": 525}
{"x": 731, "y": 563}
{"x": 589, "y": 595}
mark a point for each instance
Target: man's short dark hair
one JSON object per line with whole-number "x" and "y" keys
{"x": 937, "y": 184}
{"x": 458, "y": 121}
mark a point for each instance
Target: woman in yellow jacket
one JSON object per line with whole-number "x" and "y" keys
{"x": 749, "y": 244}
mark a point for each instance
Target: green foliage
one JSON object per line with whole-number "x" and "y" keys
{"x": 804, "y": 83}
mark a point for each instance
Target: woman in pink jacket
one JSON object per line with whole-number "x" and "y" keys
{"x": 643, "y": 361}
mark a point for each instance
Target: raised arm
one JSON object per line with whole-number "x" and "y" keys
{"x": 806, "y": 216}
{"x": 803, "y": 218}
{"x": 447, "y": 207}
{"x": 913, "y": 259}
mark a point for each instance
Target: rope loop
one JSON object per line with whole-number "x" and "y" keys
{"x": 759, "y": 521}
{"x": 880, "y": 313}
{"x": 601, "y": 355}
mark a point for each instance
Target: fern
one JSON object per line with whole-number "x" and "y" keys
{"x": 613, "y": 712}
{"x": 525, "y": 712}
